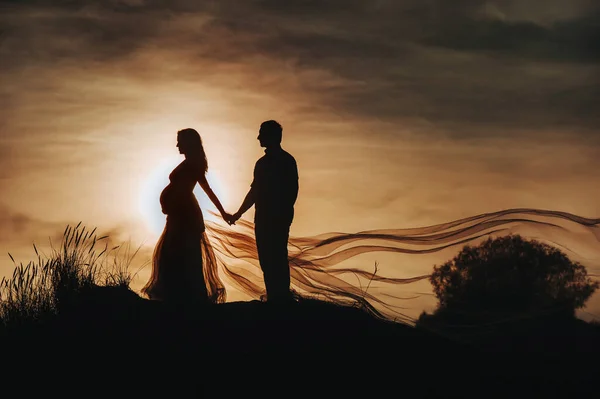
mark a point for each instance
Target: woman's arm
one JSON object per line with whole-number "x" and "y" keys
{"x": 213, "y": 197}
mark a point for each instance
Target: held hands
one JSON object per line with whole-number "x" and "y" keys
{"x": 231, "y": 219}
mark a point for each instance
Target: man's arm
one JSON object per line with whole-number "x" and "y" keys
{"x": 291, "y": 184}
{"x": 247, "y": 204}
{"x": 295, "y": 182}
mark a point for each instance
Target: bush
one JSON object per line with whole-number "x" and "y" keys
{"x": 507, "y": 276}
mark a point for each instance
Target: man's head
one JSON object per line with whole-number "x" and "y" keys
{"x": 269, "y": 134}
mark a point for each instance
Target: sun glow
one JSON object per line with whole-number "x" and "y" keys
{"x": 157, "y": 180}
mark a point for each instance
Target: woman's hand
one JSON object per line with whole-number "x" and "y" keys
{"x": 228, "y": 218}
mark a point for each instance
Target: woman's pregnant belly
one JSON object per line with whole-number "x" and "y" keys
{"x": 177, "y": 200}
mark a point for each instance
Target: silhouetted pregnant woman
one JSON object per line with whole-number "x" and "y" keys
{"x": 184, "y": 267}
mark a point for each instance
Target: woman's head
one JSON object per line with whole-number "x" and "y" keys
{"x": 190, "y": 145}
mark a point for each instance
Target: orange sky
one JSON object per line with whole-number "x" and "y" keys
{"x": 393, "y": 124}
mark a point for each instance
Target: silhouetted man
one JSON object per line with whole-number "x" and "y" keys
{"x": 273, "y": 193}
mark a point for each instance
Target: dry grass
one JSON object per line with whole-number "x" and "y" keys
{"x": 39, "y": 289}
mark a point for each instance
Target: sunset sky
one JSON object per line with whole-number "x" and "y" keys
{"x": 400, "y": 113}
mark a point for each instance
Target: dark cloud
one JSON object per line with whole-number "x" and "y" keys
{"x": 48, "y": 36}
{"x": 569, "y": 41}
{"x": 371, "y": 26}
{"x": 465, "y": 65}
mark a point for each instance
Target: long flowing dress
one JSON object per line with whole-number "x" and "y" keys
{"x": 187, "y": 267}
{"x": 184, "y": 267}
{"x": 397, "y": 289}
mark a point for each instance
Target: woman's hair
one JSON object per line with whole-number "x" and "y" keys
{"x": 192, "y": 138}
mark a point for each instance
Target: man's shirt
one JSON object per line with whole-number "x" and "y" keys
{"x": 275, "y": 187}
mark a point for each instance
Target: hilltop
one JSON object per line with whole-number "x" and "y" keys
{"x": 71, "y": 326}
{"x": 112, "y": 341}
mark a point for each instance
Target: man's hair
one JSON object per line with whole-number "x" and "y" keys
{"x": 272, "y": 129}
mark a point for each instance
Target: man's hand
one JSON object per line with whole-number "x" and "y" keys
{"x": 234, "y": 218}
{"x": 228, "y": 218}
{"x": 231, "y": 219}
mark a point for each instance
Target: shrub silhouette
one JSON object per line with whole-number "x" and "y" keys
{"x": 509, "y": 275}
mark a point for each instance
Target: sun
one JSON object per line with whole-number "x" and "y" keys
{"x": 157, "y": 180}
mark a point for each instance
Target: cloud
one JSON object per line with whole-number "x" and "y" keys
{"x": 86, "y": 83}
{"x": 466, "y": 67}
{"x": 20, "y": 232}
{"x": 18, "y": 228}
{"x": 564, "y": 41}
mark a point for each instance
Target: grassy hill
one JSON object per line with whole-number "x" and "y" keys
{"x": 113, "y": 338}
{"x": 71, "y": 329}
